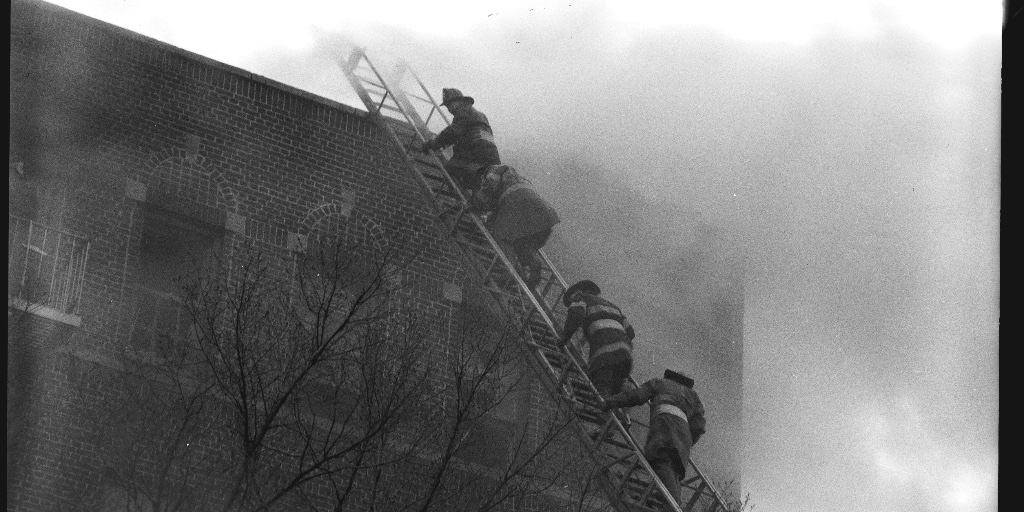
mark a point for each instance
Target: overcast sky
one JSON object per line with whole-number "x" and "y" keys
{"x": 849, "y": 150}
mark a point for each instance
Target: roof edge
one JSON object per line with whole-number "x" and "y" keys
{"x": 121, "y": 31}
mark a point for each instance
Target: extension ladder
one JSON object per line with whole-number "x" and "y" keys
{"x": 624, "y": 474}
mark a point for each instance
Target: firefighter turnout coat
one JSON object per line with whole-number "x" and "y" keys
{"x": 677, "y": 419}
{"x": 518, "y": 210}
{"x": 473, "y": 140}
{"x": 607, "y": 331}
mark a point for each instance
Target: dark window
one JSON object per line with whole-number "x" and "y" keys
{"x": 173, "y": 249}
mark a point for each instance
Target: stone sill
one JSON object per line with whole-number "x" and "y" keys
{"x": 44, "y": 312}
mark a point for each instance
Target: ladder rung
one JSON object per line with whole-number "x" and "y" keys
{"x": 426, "y": 160}
{"x": 371, "y": 83}
{"x": 385, "y": 106}
{"x": 421, "y": 98}
{"x": 534, "y": 308}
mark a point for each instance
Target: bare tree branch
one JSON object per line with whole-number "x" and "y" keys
{"x": 303, "y": 388}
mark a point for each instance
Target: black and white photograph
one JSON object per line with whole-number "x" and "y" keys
{"x": 505, "y": 255}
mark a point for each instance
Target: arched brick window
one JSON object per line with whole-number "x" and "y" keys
{"x": 183, "y": 209}
{"x": 342, "y": 249}
{"x": 344, "y": 280}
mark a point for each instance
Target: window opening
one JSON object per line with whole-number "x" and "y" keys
{"x": 173, "y": 248}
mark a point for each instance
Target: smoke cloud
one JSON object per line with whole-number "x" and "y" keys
{"x": 855, "y": 175}
{"x": 856, "y": 178}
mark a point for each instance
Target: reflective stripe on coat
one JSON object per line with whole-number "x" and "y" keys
{"x": 473, "y": 139}
{"x": 607, "y": 331}
{"x": 670, "y": 437}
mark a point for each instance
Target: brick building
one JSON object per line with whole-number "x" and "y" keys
{"x": 130, "y": 160}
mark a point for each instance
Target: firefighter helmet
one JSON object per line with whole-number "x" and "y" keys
{"x": 450, "y": 95}
{"x": 585, "y": 286}
{"x": 679, "y": 377}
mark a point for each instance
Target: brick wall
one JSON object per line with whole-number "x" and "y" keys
{"x": 107, "y": 124}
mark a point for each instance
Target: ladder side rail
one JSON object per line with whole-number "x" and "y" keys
{"x": 610, "y": 487}
{"x": 554, "y": 271}
{"x": 416, "y": 121}
{"x": 420, "y": 123}
{"x": 552, "y": 373}
{"x": 710, "y": 485}
{"x": 401, "y": 100}
{"x": 565, "y": 286}
{"x": 561, "y": 280}
{"x": 348, "y": 67}
{"x": 426, "y": 91}
{"x": 623, "y": 432}
{"x": 696, "y": 496}
{"x": 403, "y": 68}
{"x": 698, "y": 475}
{"x": 549, "y": 375}
{"x": 398, "y": 97}
{"x": 349, "y": 71}
{"x": 509, "y": 267}
{"x": 424, "y": 186}
{"x": 555, "y": 331}
{"x": 381, "y": 83}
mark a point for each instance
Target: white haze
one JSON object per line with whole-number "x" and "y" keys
{"x": 853, "y": 160}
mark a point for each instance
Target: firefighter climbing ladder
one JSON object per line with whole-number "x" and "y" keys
{"x": 623, "y": 473}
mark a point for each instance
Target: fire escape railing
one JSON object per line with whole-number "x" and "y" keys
{"x": 45, "y": 265}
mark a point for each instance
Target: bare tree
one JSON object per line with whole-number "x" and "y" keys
{"x": 733, "y": 501}
{"x": 316, "y": 388}
{"x": 285, "y": 359}
{"x": 148, "y": 431}
{"x": 484, "y": 374}
{"x": 280, "y": 379}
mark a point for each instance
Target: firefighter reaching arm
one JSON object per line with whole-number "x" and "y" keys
{"x": 472, "y": 137}
{"x": 677, "y": 422}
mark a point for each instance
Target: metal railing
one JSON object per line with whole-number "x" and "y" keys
{"x": 45, "y": 265}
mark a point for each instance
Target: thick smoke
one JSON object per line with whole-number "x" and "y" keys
{"x": 856, "y": 178}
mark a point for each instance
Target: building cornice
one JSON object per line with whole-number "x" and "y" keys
{"x": 200, "y": 59}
